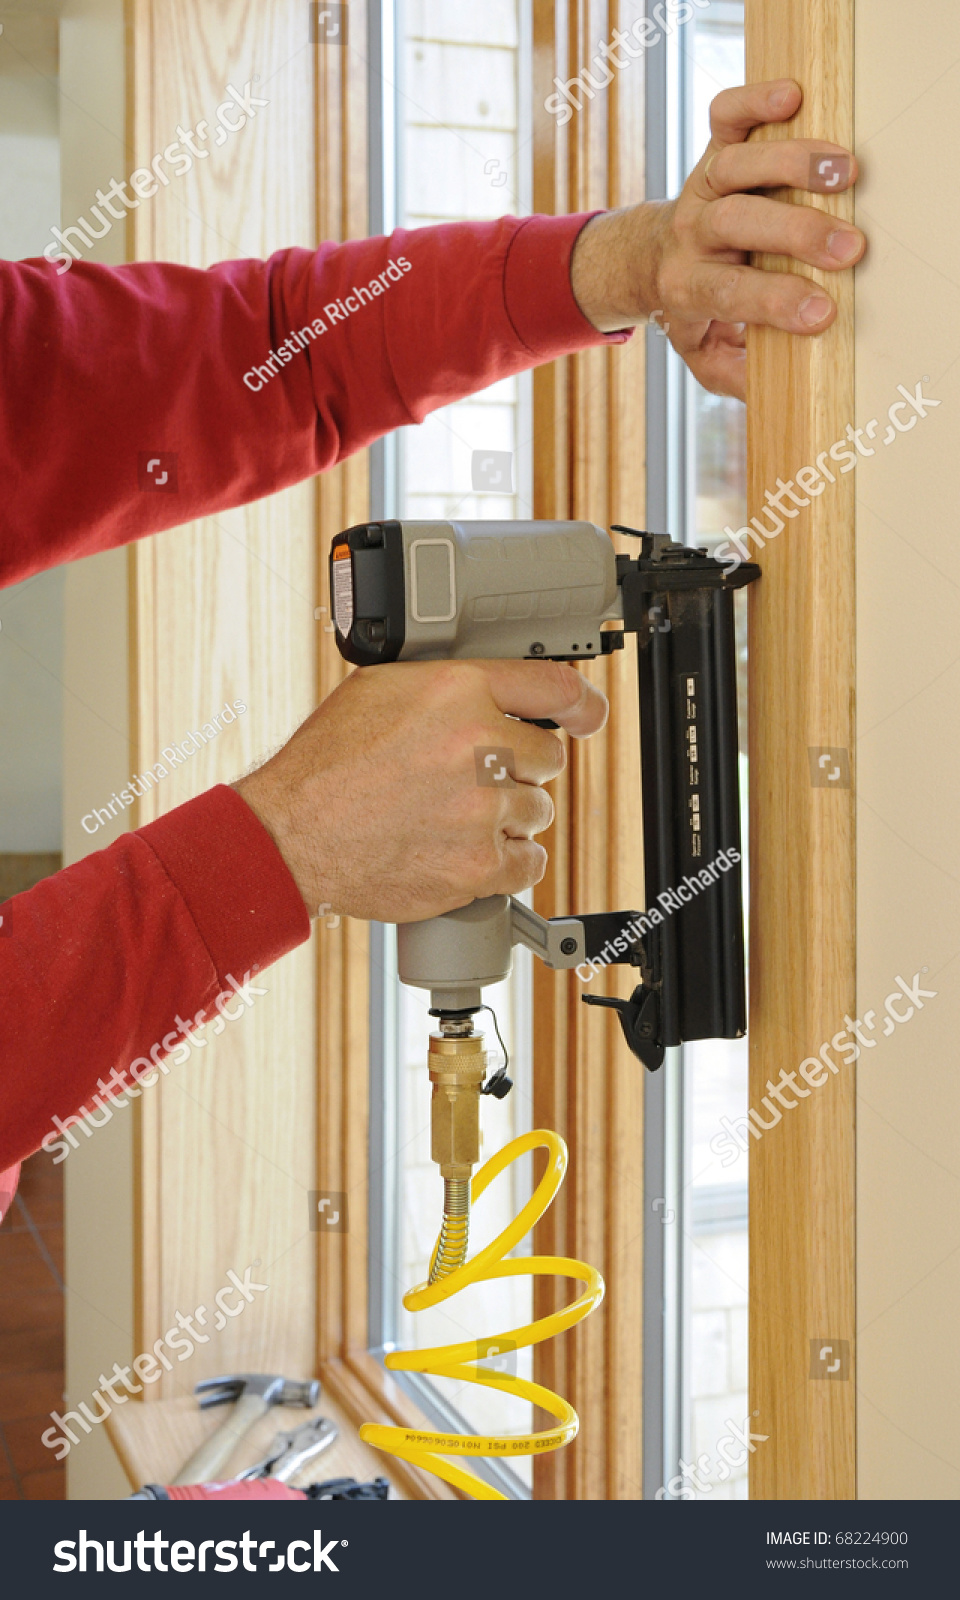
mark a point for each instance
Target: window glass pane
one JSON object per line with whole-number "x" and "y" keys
{"x": 714, "y": 1337}
{"x": 463, "y": 152}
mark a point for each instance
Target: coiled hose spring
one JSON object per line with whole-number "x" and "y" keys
{"x": 449, "y": 1273}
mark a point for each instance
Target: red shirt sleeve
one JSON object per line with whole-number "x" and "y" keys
{"x": 104, "y": 368}
{"x": 253, "y": 375}
{"x": 112, "y": 962}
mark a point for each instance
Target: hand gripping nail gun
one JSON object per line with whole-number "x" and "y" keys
{"x": 415, "y": 591}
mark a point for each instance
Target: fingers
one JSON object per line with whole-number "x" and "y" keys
{"x": 523, "y": 864}
{"x": 752, "y": 222}
{"x": 737, "y": 293}
{"x": 716, "y": 354}
{"x": 721, "y": 369}
{"x": 735, "y": 111}
{"x": 547, "y": 689}
{"x": 538, "y": 755}
{"x": 812, "y": 164}
{"x": 527, "y": 810}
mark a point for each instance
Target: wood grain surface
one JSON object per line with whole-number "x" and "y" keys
{"x": 802, "y": 866}
{"x": 224, "y": 610}
{"x": 589, "y": 462}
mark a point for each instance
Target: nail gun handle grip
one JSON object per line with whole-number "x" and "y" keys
{"x": 205, "y": 1463}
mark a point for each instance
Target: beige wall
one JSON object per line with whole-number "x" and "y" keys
{"x": 30, "y": 613}
{"x": 96, "y": 761}
{"x": 908, "y": 674}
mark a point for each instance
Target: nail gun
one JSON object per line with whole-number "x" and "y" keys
{"x": 414, "y": 591}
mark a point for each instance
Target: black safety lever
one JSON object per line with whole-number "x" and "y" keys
{"x": 639, "y": 1019}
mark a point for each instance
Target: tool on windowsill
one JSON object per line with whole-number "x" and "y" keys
{"x": 349, "y": 1489}
{"x": 288, "y": 1455}
{"x": 444, "y": 590}
{"x": 253, "y": 1394}
{"x": 269, "y": 1489}
{"x": 290, "y": 1452}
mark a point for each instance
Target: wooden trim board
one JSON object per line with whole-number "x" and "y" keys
{"x": 802, "y": 865}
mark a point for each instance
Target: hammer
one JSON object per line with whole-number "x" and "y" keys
{"x": 254, "y": 1394}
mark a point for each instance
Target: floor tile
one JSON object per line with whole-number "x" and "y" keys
{"x": 15, "y": 1247}
{"x": 45, "y": 1485}
{"x": 27, "y": 1275}
{"x": 28, "y": 1394}
{"x": 26, "y": 1447}
{"x": 53, "y": 1244}
{"x": 14, "y": 1221}
{"x": 41, "y": 1173}
{"x": 34, "y": 1308}
{"x": 32, "y": 1350}
{"x": 46, "y": 1210}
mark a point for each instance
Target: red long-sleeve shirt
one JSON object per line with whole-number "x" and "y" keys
{"x": 101, "y": 963}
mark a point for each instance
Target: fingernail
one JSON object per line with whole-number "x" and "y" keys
{"x": 814, "y": 308}
{"x": 843, "y": 244}
{"x": 780, "y": 96}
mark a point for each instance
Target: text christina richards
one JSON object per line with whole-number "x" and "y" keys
{"x": 141, "y": 782}
{"x": 336, "y": 311}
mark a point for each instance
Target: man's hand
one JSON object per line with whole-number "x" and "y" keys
{"x": 375, "y": 803}
{"x": 683, "y": 261}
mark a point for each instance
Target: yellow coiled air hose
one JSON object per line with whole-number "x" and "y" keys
{"x": 426, "y": 1450}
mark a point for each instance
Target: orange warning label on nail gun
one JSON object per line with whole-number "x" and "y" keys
{"x": 342, "y": 589}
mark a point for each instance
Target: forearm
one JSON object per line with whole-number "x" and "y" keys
{"x": 615, "y": 264}
{"x": 108, "y": 964}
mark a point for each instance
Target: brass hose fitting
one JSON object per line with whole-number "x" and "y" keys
{"x": 458, "y": 1066}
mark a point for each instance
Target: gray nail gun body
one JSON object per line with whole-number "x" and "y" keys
{"x": 418, "y": 591}
{"x": 474, "y": 590}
